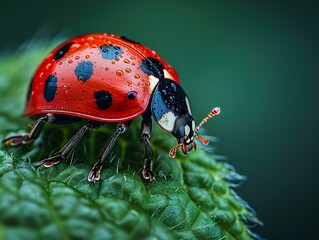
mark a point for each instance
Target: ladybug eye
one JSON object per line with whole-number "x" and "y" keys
{"x": 187, "y": 130}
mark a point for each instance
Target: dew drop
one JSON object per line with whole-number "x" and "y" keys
{"x": 117, "y": 59}
{"x": 48, "y": 66}
{"x": 129, "y": 82}
{"x": 90, "y": 38}
{"x": 126, "y": 61}
{"x": 70, "y": 61}
{"x": 113, "y": 62}
{"x": 137, "y": 76}
{"x": 75, "y": 46}
{"x": 128, "y": 70}
{"x": 119, "y": 72}
{"x": 77, "y": 57}
{"x": 41, "y": 74}
{"x": 66, "y": 88}
{"x": 87, "y": 56}
{"x": 132, "y": 95}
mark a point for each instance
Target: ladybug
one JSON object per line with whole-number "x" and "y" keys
{"x": 107, "y": 78}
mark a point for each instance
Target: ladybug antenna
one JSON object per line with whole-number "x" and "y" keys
{"x": 215, "y": 111}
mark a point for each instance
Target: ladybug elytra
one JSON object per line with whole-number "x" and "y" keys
{"x": 106, "y": 78}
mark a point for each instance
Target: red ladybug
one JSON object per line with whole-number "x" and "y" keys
{"x": 107, "y": 78}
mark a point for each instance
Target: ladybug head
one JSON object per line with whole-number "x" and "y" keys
{"x": 171, "y": 110}
{"x": 184, "y": 132}
{"x": 187, "y": 143}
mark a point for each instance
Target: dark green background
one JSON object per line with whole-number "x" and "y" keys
{"x": 257, "y": 60}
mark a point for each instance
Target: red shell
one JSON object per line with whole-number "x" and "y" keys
{"x": 118, "y": 76}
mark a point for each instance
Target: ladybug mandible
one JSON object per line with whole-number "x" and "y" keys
{"x": 107, "y": 78}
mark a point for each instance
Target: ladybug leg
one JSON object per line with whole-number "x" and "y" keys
{"x": 146, "y": 130}
{"x": 33, "y": 134}
{"x": 62, "y": 154}
{"x": 95, "y": 173}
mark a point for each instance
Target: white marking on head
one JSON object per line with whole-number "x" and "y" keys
{"x": 188, "y": 106}
{"x": 167, "y": 121}
{"x": 187, "y": 130}
{"x": 153, "y": 82}
{"x": 167, "y": 75}
{"x": 188, "y": 140}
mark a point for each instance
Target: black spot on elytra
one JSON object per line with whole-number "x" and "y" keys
{"x": 132, "y": 95}
{"x": 129, "y": 40}
{"x": 29, "y": 90}
{"x": 103, "y": 99}
{"x": 110, "y": 52}
{"x": 62, "y": 51}
{"x": 50, "y": 87}
{"x": 84, "y": 70}
{"x": 153, "y": 67}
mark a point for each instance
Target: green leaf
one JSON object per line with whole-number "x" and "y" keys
{"x": 191, "y": 199}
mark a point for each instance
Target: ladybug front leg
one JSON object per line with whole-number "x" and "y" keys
{"x": 146, "y": 130}
{"x": 68, "y": 147}
{"x": 33, "y": 134}
{"x": 95, "y": 173}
